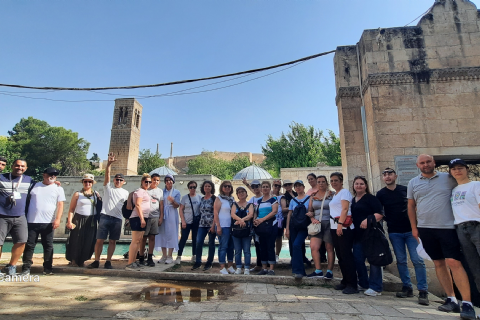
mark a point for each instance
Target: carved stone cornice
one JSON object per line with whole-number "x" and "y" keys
{"x": 426, "y": 76}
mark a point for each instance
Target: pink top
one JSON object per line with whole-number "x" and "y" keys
{"x": 141, "y": 193}
{"x": 309, "y": 192}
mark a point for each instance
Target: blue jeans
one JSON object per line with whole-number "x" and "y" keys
{"x": 242, "y": 244}
{"x": 202, "y": 233}
{"x": 375, "y": 281}
{"x": 298, "y": 240}
{"x": 225, "y": 247}
{"x": 400, "y": 243}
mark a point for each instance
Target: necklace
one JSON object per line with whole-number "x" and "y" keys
{"x": 87, "y": 195}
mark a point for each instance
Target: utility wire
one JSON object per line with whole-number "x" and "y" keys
{"x": 419, "y": 16}
{"x": 169, "y": 83}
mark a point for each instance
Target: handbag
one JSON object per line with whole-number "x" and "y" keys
{"x": 98, "y": 205}
{"x": 241, "y": 232}
{"x": 314, "y": 229}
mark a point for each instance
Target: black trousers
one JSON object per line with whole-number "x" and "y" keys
{"x": 344, "y": 250}
{"x": 45, "y": 230}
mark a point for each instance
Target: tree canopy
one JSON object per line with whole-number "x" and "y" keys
{"x": 301, "y": 147}
{"x": 208, "y": 163}
{"x": 149, "y": 161}
{"x": 45, "y": 146}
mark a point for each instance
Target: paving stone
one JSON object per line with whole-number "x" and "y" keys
{"x": 321, "y": 307}
{"x": 288, "y": 290}
{"x": 314, "y": 299}
{"x": 289, "y": 307}
{"x": 241, "y": 306}
{"x": 199, "y": 306}
{"x": 343, "y": 307}
{"x": 389, "y": 311}
{"x": 219, "y": 315}
{"x": 286, "y": 297}
{"x": 131, "y": 314}
{"x": 286, "y": 316}
{"x": 366, "y": 309}
{"x": 254, "y": 316}
{"x": 173, "y": 315}
{"x": 316, "y": 316}
{"x": 259, "y": 297}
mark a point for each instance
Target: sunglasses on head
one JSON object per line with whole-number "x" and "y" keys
{"x": 192, "y": 187}
{"x": 147, "y": 181}
{"x": 388, "y": 171}
{"x": 277, "y": 185}
{"x": 119, "y": 180}
{"x": 255, "y": 186}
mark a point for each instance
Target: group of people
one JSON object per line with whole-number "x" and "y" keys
{"x": 441, "y": 211}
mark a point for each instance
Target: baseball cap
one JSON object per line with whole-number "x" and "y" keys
{"x": 255, "y": 182}
{"x": 299, "y": 182}
{"x": 241, "y": 188}
{"x": 51, "y": 171}
{"x": 457, "y": 161}
{"x": 119, "y": 176}
{"x": 287, "y": 182}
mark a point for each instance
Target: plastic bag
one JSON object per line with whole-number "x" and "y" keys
{"x": 421, "y": 251}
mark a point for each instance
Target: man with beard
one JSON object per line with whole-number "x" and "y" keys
{"x": 432, "y": 220}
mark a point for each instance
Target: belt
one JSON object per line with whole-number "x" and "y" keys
{"x": 469, "y": 223}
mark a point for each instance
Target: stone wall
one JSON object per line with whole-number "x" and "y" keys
{"x": 294, "y": 174}
{"x": 73, "y": 184}
{"x": 421, "y": 90}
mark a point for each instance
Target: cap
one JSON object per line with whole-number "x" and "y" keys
{"x": 88, "y": 176}
{"x": 457, "y": 161}
{"x": 242, "y": 188}
{"x": 299, "y": 182}
{"x": 255, "y": 182}
{"x": 287, "y": 182}
{"x": 51, "y": 171}
{"x": 119, "y": 176}
{"x": 388, "y": 170}
{"x": 169, "y": 176}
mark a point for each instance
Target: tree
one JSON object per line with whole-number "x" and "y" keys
{"x": 149, "y": 161}
{"x": 208, "y": 163}
{"x": 7, "y": 152}
{"x": 301, "y": 147}
{"x": 95, "y": 157}
{"x": 45, "y": 146}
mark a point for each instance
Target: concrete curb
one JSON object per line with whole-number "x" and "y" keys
{"x": 390, "y": 284}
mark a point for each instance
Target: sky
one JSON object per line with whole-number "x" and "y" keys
{"x": 121, "y": 43}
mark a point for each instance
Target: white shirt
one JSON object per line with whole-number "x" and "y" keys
{"x": 336, "y": 206}
{"x": 465, "y": 199}
{"x": 113, "y": 199}
{"x": 43, "y": 203}
{"x": 224, "y": 215}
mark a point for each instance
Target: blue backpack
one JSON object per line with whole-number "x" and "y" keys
{"x": 299, "y": 219}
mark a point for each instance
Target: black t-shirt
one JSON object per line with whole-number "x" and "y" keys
{"x": 395, "y": 204}
{"x": 366, "y": 206}
{"x": 288, "y": 197}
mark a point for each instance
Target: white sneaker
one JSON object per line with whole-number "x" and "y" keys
{"x": 246, "y": 271}
{"x": 162, "y": 260}
{"x": 224, "y": 271}
{"x": 238, "y": 271}
{"x": 231, "y": 270}
{"x": 169, "y": 260}
{"x": 372, "y": 293}
{"x": 277, "y": 258}
{"x": 194, "y": 258}
{"x": 178, "y": 260}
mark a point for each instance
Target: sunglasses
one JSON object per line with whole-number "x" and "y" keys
{"x": 255, "y": 186}
{"x": 192, "y": 187}
{"x": 87, "y": 181}
{"x": 277, "y": 185}
{"x": 227, "y": 186}
{"x": 118, "y": 180}
{"x": 147, "y": 182}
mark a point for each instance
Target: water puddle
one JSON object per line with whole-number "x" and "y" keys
{"x": 171, "y": 293}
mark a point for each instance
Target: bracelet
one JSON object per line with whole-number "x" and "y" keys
{"x": 340, "y": 223}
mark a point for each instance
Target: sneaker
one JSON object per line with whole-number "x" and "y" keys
{"x": 277, "y": 258}
{"x": 162, "y": 260}
{"x": 48, "y": 272}
{"x": 406, "y": 292}
{"x": 12, "y": 270}
{"x": 238, "y": 271}
{"x": 108, "y": 265}
{"x": 315, "y": 275}
{"x": 449, "y": 306}
{"x": 194, "y": 258}
{"x": 224, "y": 271}
{"x": 169, "y": 260}
{"x": 139, "y": 265}
{"x": 178, "y": 260}
{"x": 328, "y": 276}
{"x": 94, "y": 265}
{"x": 25, "y": 272}
{"x": 257, "y": 268}
{"x": 339, "y": 286}
{"x": 208, "y": 266}
{"x": 150, "y": 263}
{"x": 5, "y": 269}
{"x": 246, "y": 271}
{"x": 350, "y": 290}
{"x": 132, "y": 267}
{"x": 360, "y": 288}
{"x": 231, "y": 270}
{"x": 262, "y": 272}
{"x": 196, "y": 266}
{"x": 298, "y": 276}
{"x": 372, "y": 293}
{"x": 271, "y": 272}
{"x": 423, "y": 298}
{"x": 467, "y": 312}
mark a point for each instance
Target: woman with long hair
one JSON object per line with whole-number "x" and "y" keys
{"x": 223, "y": 223}
{"x": 138, "y": 220}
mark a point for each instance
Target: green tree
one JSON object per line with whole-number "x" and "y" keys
{"x": 301, "y": 147}
{"x": 43, "y": 146}
{"x": 148, "y": 161}
{"x": 209, "y": 163}
{"x": 7, "y": 151}
{"x": 95, "y": 157}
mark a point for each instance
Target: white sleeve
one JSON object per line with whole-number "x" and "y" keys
{"x": 61, "y": 195}
{"x": 346, "y": 195}
{"x": 476, "y": 189}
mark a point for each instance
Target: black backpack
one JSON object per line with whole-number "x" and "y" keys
{"x": 127, "y": 212}
{"x": 238, "y": 231}
{"x": 299, "y": 219}
{"x": 375, "y": 245}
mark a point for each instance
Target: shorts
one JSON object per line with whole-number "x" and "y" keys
{"x": 440, "y": 244}
{"x": 325, "y": 235}
{"x": 16, "y": 226}
{"x": 136, "y": 225}
{"x": 152, "y": 227}
{"x": 109, "y": 225}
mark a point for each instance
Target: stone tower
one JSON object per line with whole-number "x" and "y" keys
{"x": 411, "y": 90}
{"x": 125, "y": 138}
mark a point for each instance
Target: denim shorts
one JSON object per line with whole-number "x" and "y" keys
{"x": 109, "y": 225}
{"x": 136, "y": 225}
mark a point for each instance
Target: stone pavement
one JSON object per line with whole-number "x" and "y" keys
{"x": 99, "y": 297}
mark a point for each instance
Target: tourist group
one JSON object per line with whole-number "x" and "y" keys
{"x": 438, "y": 213}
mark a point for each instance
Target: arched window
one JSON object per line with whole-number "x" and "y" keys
{"x": 138, "y": 120}
{"x": 125, "y": 117}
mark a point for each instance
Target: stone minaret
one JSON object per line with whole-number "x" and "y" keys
{"x": 125, "y": 138}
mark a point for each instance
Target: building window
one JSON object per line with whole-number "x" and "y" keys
{"x": 138, "y": 120}
{"x": 120, "y": 114}
{"x": 125, "y": 117}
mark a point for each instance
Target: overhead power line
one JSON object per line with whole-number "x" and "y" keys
{"x": 168, "y": 83}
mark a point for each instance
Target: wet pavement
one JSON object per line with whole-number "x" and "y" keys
{"x": 101, "y": 297}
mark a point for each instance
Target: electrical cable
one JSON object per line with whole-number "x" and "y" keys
{"x": 169, "y": 83}
{"x": 420, "y": 16}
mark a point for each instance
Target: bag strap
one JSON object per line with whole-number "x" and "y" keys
{"x": 191, "y": 204}
{"x": 323, "y": 201}
{"x": 305, "y": 200}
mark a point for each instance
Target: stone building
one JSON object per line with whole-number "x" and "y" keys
{"x": 411, "y": 90}
{"x": 125, "y": 136}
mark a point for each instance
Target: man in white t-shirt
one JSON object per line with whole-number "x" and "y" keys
{"x": 110, "y": 224}
{"x": 44, "y": 210}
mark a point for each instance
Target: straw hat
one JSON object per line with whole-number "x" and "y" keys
{"x": 88, "y": 176}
